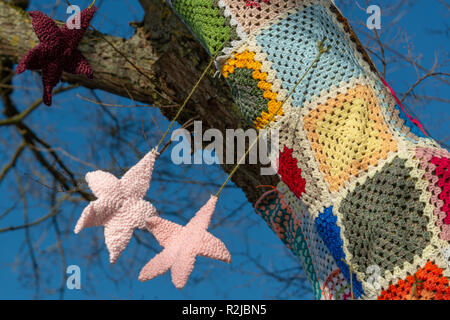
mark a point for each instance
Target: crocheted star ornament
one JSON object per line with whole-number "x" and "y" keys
{"x": 57, "y": 51}
{"x": 119, "y": 206}
{"x": 182, "y": 245}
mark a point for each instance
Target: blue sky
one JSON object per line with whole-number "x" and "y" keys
{"x": 65, "y": 124}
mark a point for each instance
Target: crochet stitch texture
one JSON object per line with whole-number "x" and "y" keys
{"x": 57, "y": 51}
{"x": 362, "y": 188}
{"x": 120, "y": 207}
{"x": 182, "y": 244}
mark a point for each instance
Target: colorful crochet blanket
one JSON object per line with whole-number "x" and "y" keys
{"x": 364, "y": 197}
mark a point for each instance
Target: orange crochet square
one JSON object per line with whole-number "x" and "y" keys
{"x": 348, "y": 135}
{"x": 428, "y": 283}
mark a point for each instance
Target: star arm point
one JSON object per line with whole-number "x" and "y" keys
{"x": 87, "y": 218}
{"x": 102, "y": 183}
{"x": 182, "y": 268}
{"x": 78, "y": 64}
{"x": 51, "y": 73}
{"x": 202, "y": 218}
{"x": 31, "y": 61}
{"x": 214, "y": 248}
{"x": 45, "y": 28}
{"x": 157, "y": 266}
{"x": 117, "y": 237}
{"x": 74, "y": 36}
{"x": 137, "y": 178}
{"x": 96, "y": 214}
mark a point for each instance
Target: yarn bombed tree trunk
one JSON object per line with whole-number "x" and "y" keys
{"x": 363, "y": 197}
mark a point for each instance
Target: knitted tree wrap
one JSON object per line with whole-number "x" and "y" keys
{"x": 360, "y": 137}
{"x": 206, "y": 21}
{"x": 250, "y": 19}
{"x": 336, "y": 287}
{"x": 435, "y": 163}
{"x": 384, "y": 221}
{"x": 252, "y": 89}
{"x": 290, "y": 173}
{"x": 430, "y": 285}
{"x": 279, "y": 216}
{"x": 362, "y": 186}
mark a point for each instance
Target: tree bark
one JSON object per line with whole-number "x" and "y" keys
{"x": 171, "y": 59}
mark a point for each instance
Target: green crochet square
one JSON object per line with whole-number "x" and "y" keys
{"x": 248, "y": 97}
{"x": 206, "y": 21}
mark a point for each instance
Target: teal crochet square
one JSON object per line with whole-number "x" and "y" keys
{"x": 291, "y": 45}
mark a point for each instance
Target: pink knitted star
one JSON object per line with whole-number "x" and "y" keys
{"x": 57, "y": 51}
{"x": 119, "y": 206}
{"x": 182, "y": 245}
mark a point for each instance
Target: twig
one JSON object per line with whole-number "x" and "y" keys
{"x": 28, "y": 236}
{"x": 21, "y": 116}
{"x": 112, "y": 105}
{"x": 52, "y": 213}
{"x": 13, "y": 160}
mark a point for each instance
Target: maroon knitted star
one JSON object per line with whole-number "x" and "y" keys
{"x": 57, "y": 51}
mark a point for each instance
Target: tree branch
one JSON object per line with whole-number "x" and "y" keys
{"x": 13, "y": 161}
{"x": 170, "y": 57}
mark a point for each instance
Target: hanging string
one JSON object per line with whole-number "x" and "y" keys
{"x": 211, "y": 62}
{"x": 163, "y": 96}
{"x": 190, "y": 93}
{"x": 322, "y": 50}
{"x": 413, "y": 120}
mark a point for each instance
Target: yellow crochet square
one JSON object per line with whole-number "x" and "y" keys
{"x": 348, "y": 135}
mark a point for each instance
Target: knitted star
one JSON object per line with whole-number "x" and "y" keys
{"x": 119, "y": 206}
{"x": 182, "y": 245}
{"x": 57, "y": 51}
